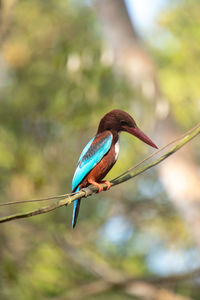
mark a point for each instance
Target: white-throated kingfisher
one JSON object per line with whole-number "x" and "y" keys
{"x": 101, "y": 153}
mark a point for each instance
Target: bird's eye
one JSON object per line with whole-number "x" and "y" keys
{"x": 124, "y": 123}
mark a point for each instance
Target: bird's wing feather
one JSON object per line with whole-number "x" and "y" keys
{"x": 85, "y": 150}
{"x": 91, "y": 156}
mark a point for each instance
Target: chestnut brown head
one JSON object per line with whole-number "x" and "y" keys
{"x": 119, "y": 120}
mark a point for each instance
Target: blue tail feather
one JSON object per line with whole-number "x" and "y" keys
{"x": 75, "y": 210}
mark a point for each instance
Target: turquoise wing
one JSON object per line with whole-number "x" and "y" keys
{"x": 91, "y": 155}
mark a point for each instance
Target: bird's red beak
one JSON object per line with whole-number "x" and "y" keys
{"x": 140, "y": 135}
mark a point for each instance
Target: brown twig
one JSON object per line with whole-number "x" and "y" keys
{"x": 92, "y": 189}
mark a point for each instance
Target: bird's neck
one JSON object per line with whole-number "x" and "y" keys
{"x": 115, "y": 136}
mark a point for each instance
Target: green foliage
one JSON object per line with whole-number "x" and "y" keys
{"x": 56, "y": 83}
{"x": 57, "y": 86}
{"x": 179, "y": 62}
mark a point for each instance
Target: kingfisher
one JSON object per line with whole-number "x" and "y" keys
{"x": 101, "y": 153}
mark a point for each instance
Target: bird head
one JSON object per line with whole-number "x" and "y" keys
{"x": 119, "y": 120}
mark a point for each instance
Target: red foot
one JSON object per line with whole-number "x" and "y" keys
{"x": 96, "y": 184}
{"x": 99, "y": 186}
{"x": 107, "y": 183}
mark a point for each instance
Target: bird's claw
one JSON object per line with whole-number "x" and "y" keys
{"x": 107, "y": 183}
{"x": 100, "y": 188}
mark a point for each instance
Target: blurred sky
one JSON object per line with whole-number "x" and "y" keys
{"x": 144, "y": 13}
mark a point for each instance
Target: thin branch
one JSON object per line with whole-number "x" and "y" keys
{"x": 84, "y": 193}
{"x": 131, "y": 173}
{"x": 64, "y": 196}
{"x": 161, "y": 149}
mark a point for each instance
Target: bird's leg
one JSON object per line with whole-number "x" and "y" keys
{"x": 96, "y": 184}
{"x": 107, "y": 183}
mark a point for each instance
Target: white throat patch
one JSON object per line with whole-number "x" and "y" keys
{"x": 116, "y": 150}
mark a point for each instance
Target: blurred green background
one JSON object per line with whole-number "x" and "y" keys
{"x": 58, "y": 77}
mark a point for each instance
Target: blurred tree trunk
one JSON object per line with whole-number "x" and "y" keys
{"x": 129, "y": 52}
{"x": 179, "y": 174}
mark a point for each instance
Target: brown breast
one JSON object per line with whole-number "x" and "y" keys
{"x": 102, "y": 168}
